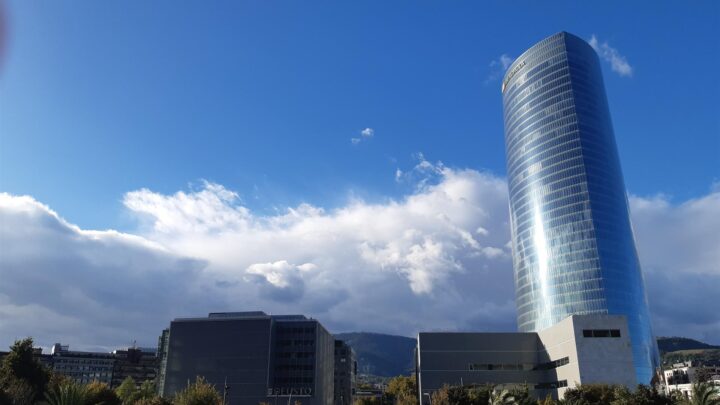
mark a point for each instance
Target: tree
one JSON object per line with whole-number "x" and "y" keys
{"x": 367, "y": 401}
{"x": 198, "y": 393}
{"x": 98, "y": 393}
{"x": 441, "y": 396}
{"x": 590, "y": 394}
{"x": 702, "y": 374}
{"x": 21, "y": 373}
{"x": 69, "y": 393}
{"x": 479, "y": 395}
{"x": 403, "y": 390}
{"x": 500, "y": 396}
{"x": 521, "y": 396}
{"x": 146, "y": 391}
{"x": 704, "y": 394}
{"x": 126, "y": 391}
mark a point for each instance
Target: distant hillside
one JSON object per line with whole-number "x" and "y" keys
{"x": 389, "y": 355}
{"x": 673, "y": 344}
{"x": 382, "y": 355}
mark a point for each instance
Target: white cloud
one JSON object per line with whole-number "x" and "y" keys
{"x": 679, "y": 248}
{"x": 497, "y": 67}
{"x": 62, "y": 283}
{"x": 618, "y": 62}
{"x": 365, "y": 134}
{"x": 436, "y": 259}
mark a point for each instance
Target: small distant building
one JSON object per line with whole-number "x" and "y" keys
{"x": 681, "y": 376}
{"x": 82, "y": 367}
{"x": 110, "y": 368}
{"x": 141, "y": 364}
{"x": 345, "y": 372}
{"x": 250, "y": 357}
{"x": 580, "y": 349}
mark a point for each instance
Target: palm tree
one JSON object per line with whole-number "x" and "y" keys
{"x": 704, "y": 394}
{"x": 69, "y": 393}
{"x": 501, "y": 397}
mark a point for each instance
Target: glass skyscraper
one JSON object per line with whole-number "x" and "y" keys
{"x": 573, "y": 245}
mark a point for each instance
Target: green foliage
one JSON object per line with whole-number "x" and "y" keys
{"x": 68, "y": 393}
{"x": 22, "y": 377}
{"x": 17, "y": 392}
{"x": 590, "y": 394}
{"x": 403, "y": 390}
{"x": 127, "y": 391}
{"x": 368, "y": 401}
{"x": 98, "y": 393}
{"x": 703, "y": 356}
{"x": 153, "y": 400}
{"x": 198, "y": 393}
{"x": 704, "y": 394}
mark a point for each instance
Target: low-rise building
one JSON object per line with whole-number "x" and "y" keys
{"x": 681, "y": 376}
{"x": 580, "y": 349}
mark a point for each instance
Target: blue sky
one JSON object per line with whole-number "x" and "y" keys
{"x": 100, "y": 98}
{"x": 207, "y": 147}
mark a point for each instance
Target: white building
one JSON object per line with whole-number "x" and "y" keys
{"x": 681, "y": 376}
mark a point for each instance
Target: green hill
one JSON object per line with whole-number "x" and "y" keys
{"x": 381, "y": 355}
{"x": 673, "y": 344}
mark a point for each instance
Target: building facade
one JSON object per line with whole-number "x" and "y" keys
{"x": 345, "y": 373}
{"x": 581, "y": 349}
{"x": 681, "y": 377}
{"x": 573, "y": 246}
{"x": 140, "y": 364}
{"x": 82, "y": 367}
{"x": 258, "y": 357}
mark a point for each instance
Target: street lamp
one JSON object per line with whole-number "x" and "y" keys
{"x": 429, "y": 397}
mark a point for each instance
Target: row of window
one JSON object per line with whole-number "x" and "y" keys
{"x": 601, "y": 333}
{"x": 518, "y": 367}
{"x": 551, "y": 385}
{"x": 296, "y": 330}
{"x": 296, "y": 342}
{"x": 553, "y": 364}
{"x": 294, "y": 367}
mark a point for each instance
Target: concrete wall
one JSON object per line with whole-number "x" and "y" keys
{"x": 549, "y": 361}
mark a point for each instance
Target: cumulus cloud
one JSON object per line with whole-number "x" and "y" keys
{"x": 618, "y": 63}
{"x": 436, "y": 259}
{"x": 365, "y": 134}
{"x": 497, "y": 67}
{"x": 679, "y": 248}
{"x": 65, "y": 284}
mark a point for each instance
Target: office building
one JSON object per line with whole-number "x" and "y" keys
{"x": 258, "y": 357}
{"x": 345, "y": 372}
{"x": 580, "y": 349}
{"x": 140, "y": 364}
{"x": 572, "y": 241}
{"x": 82, "y": 367}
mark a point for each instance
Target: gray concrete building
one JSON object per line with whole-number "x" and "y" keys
{"x": 579, "y": 349}
{"x": 258, "y": 357}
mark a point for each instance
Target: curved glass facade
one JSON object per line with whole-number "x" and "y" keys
{"x": 573, "y": 246}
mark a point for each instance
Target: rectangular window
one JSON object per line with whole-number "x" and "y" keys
{"x": 601, "y": 333}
